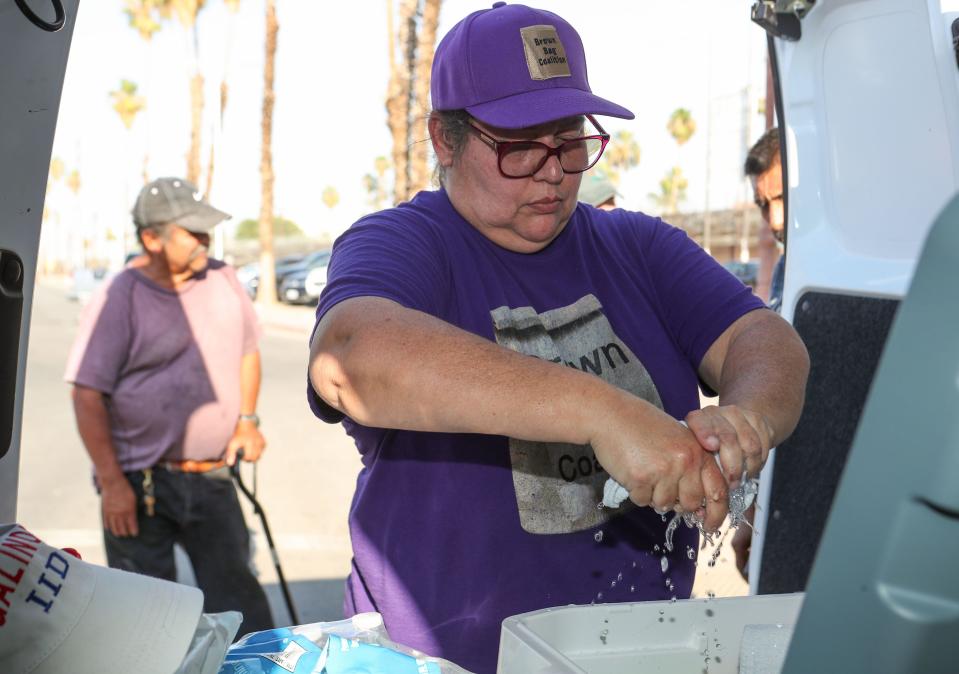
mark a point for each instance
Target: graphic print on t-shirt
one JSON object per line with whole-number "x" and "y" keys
{"x": 558, "y": 485}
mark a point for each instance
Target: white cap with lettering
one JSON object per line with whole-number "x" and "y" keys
{"x": 61, "y": 614}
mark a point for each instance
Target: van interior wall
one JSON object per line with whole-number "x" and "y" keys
{"x": 845, "y": 336}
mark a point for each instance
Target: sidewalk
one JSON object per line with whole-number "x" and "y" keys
{"x": 289, "y": 318}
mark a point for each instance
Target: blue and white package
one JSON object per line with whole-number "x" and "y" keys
{"x": 286, "y": 655}
{"x": 351, "y": 656}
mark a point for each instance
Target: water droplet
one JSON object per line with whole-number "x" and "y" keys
{"x": 632, "y": 588}
{"x": 598, "y": 536}
{"x": 664, "y": 564}
{"x": 672, "y": 620}
{"x": 709, "y": 613}
{"x": 711, "y": 594}
{"x": 603, "y": 635}
{"x": 656, "y": 548}
{"x": 663, "y": 516}
{"x": 599, "y": 596}
{"x": 660, "y": 620}
{"x": 776, "y": 514}
{"x": 634, "y": 565}
{"x": 612, "y": 585}
{"x": 619, "y": 576}
{"x": 690, "y": 553}
{"x": 662, "y": 612}
{"x": 672, "y": 600}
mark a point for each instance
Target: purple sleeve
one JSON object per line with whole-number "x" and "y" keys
{"x": 386, "y": 256}
{"x": 698, "y": 297}
{"x": 103, "y": 337}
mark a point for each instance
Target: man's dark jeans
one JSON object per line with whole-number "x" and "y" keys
{"x": 201, "y": 512}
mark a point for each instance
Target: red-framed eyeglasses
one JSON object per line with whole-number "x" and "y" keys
{"x": 523, "y": 158}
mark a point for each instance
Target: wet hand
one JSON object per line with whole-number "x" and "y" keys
{"x": 248, "y": 437}
{"x": 743, "y": 438}
{"x": 659, "y": 462}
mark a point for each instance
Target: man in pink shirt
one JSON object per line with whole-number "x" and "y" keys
{"x": 166, "y": 371}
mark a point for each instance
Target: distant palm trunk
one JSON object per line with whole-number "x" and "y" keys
{"x": 399, "y": 98}
{"x": 196, "y": 119}
{"x": 266, "y": 292}
{"x": 212, "y": 161}
{"x": 419, "y": 170}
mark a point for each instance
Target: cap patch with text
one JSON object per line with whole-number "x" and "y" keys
{"x": 545, "y": 54}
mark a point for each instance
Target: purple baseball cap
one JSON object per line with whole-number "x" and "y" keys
{"x": 513, "y": 66}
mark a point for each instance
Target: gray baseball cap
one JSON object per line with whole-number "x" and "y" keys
{"x": 175, "y": 200}
{"x": 596, "y": 189}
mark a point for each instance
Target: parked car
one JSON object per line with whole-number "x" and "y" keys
{"x": 249, "y": 275}
{"x": 304, "y": 286}
{"x": 744, "y": 271}
{"x": 85, "y": 281}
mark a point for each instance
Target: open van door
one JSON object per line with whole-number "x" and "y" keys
{"x": 34, "y": 43}
{"x": 868, "y": 102}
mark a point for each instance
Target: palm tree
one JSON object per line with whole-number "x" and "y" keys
{"x": 399, "y": 94}
{"x": 233, "y": 6}
{"x": 681, "y": 125}
{"x": 672, "y": 190}
{"x": 330, "y": 197}
{"x": 622, "y": 153}
{"x": 56, "y": 168}
{"x": 375, "y": 183}
{"x": 73, "y": 181}
{"x": 141, "y": 14}
{"x": 266, "y": 292}
{"x": 127, "y": 103}
{"x": 411, "y": 60}
{"x": 417, "y": 142}
{"x": 145, "y": 16}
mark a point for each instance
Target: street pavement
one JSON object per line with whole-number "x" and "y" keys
{"x": 304, "y": 482}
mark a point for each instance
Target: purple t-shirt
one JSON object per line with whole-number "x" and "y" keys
{"x": 169, "y": 362}
{"x": 452, "y": 533}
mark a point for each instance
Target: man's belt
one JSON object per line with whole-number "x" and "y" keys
{"x": 191, "y": 466}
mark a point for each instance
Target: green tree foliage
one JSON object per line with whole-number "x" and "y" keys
{"x": 622, "y": 153}
{"x": 681, "y": 125}
{"x": 672, "y": 191}
{"x": 250, "y": 228}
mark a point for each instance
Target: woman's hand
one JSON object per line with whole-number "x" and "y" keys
{"x": 658, "y": 461}
{"x": 743, "y": 438}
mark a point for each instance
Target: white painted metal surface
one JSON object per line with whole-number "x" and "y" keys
{"x": 31, "y": 79}
{"x": 871, "y": 98}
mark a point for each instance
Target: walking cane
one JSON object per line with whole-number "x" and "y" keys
{"x": 258, "y": 510}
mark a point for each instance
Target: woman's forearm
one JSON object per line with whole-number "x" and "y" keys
{"x": 391, "y": 367}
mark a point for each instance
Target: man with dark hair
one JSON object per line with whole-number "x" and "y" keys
{"x": 763, "y": 166}
{"x": 166, "y": 372}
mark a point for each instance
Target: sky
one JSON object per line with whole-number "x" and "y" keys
{"x": 651, "y": 56}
